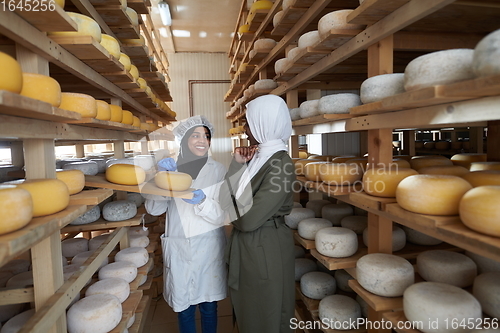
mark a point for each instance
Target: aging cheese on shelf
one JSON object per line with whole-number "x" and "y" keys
{"x": 486, "y": 53}
{"x": 317, "y": 206}
{"x": 450, "y": 170}
{"x": 419, "y": 238}
{"x": 136, "y": 255}
{"x": 112, "y": 286}
{"x": 398, "y": 238}
{"x": 11, "y": 77}
{"x": 340, "y": 310}
{"x": 484, "y": 264}
{"x": 356, "y": 223}
{"x": 88, "y": 168}
{"x": 125, "y": 61}
{"x": 49, "y": 195}
{"x": 336, "y": 20}
{"x": 103, "y": 110}
{"x": 309, "y": 39}
{"x": 89, "y": 216}
{"x": 431, "y": 194}
{"x": 127, "y": 118}
{"x": 338, "y": 103}
{"x": 300, "y": 165}
{"x": 81, "y": 103}
{"x": 478, "y": 166}
{"x": 125, "y": 174}
{"x": 136, "y": 121}
{"x": 111, "y": 45}
{"x": 309, "y": 108}
{"x": 82, "y": 257}
{"x": 480, "y": 210}
{"x": 486, "y": 289}
{"x": 138, "y": 241}
{"x": 94, "y": 314}
{"x": 447, "y": 267}
{"x": 42, "y": 88}
{"x": 124, "y": 270}
{"x": 419, "y": 162}
{"x": 309, "y": 227}
{"x": 296, "y": 215}
{"x": 312, "y": 171}
{"x": 173, "y": 181}
{"x": 342, "y": 278}
{"x": 132, "y": 14}
{"x": 293, "y": 53}
{"x": 341, "y": 174}
{"x": 119, "y": 210}
{"x": 465, "y": 159}
{"x": 379, "y": 87}
{"x": 317, "y": 285}
{"x": 136, "y": 41}
{"x": 16, "y": 206}
{"x": 281, "y": 64}
{"x": 72, "y": 246}
{"x": 14, "y": 324}
{"x": 382, "y": 182}
{"x": 303, "y": 266}
{"x": 74, "y": 180}
{"x": 85, "y": 27}
{"x": 264, "y": 44}
{"x": 336, "y": 242}
{"x": 336, "y": 212}
{"x": 277, "y": 18}
{"x": 134, "y": 72}
{"x": 265, "y": 84}
{"x": 483, "y": 178}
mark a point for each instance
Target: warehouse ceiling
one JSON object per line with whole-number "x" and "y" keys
{"x": 197, "y": 25}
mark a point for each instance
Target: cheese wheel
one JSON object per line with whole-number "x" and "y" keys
{"x": 298, "y": 251}
{"x": 112, "y": 286}
{"x": 479, "y": 210}
{"x": 72, "y": 246}
{"x": 88, "y": 168}
{"x": 317, "y": 285}
{"x": 127, "y": 117}
{"x": 309, "y": 227}
{"x": 265, "y": 84}
{"x": 342, "y": 159}
{"x": 484, "y": 264}
{"x": 312, "y": 171}
{"x": 338, "y": 103}
{"x": 317, "y": 206}
{"x": 384, "y": 274}
{"x": 419, "y": 238}
{"x": 135, "y": 41}
{"x": 89, "y": 216}
{"x": 378, "y": 87}
{"x": 356, "y": 223}
{"x": 336, "y": 242}
{"x": 264, "y": 44}
{"x": 296, "y": 215}
{"x": 42, "y": 88}
{"x": 16, "y": 266}
{"x": 398, "y": 238}
{"x": 14, "y": 324}
{"x": 138, "y": 199}
{"x": 292, "y": 53}
{"x": 125, "y": 174}
{"x": 336, "y": 20}
{"x": 136, "y": 255}
{"x": 295, "y": 114}
{"x": 486, "y": 53}
{"x": 138, "y": 241}
{"x": 486, "y": 289}
{"x": 277, "y": 18}
{"x": 342, "y": 278}
{"x": 119, "y": 210}
{"x": 21, "y": 280}
{"x": 281, "y": 65}
{"x": 142, "y": 280}
{"x": 450, "y": 170}
{"x": 441, "y": 67}
{"x": 303, "y": 154}
{"x": 431, "y": 194}
{"x": 309, "y": 108}
{"x": 125, "y": 61}
{"x": 74, "y": 180}
{"x": 82, "y": 257}
{"x": 435, "y": 305}
{"x": 400, "y": 163}
{"x": 16, "y": 206}
{"x": 478, "y": 166}
{"x": 136, "y": 121}
{"x": 94, "y": 314}
{"x": 173, "y": 181}
{"x": 382, "y": 182}
{"x": 339, "y": 311}
{"x": 309, "y": 39}
{"x": 447, "y": 267}
{"x": 11, "y": 78}
{"x": 483, "y": 178}
{"x": 69, "y": 270}
{"x": 97, "y": 241}
{"x": 132, "y": 15}
{"x": 49, "y": 195}
{"x": 303, "y": 266}
{"x": 81, "y": 103}
{"x": 418, "y": 163}
{"x": 10, "y": 310}
{"x": 86, "y": 26}
{"x": 465, "y": 159}
{"x": 124, "y": 270}
{"x": 103, "y": 110}
{"x": 336, "y": 212}
{"x": 134, "y": 72}
{"x": 341, "y": 174}
{"x": 142, "y": 83}
{"x": 300, "y": 165}
{"x": 131, "y": 321}
{"x": 101, "y": 164}
{"x": 111, "y": 45}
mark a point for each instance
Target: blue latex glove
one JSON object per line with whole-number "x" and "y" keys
{"x": 198, "y": 196}
{"x": 167, "y": 164}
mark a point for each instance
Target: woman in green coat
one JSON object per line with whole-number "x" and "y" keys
{"x": 258, "y": 194}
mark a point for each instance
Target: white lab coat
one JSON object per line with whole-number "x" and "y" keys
{"x": 193, "y": 243}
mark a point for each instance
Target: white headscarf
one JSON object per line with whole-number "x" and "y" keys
{"x": 270, "y": 123}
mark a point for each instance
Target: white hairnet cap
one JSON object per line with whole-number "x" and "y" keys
{"x": 195, "y": 121}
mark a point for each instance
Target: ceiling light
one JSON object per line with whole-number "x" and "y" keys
{"x": 163, "y": 32}
{"x": 202, "y": 34}
{"x": 164, "y": 9}
{"x": 181, "y": 33}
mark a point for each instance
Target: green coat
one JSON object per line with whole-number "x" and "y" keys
{"x": 260, "y": 252}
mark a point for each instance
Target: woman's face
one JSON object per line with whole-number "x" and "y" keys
{"x": 199, "y": 141}
{"x": 250, "y": 136}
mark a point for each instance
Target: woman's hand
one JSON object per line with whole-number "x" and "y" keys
{"x": 244, "y": 154}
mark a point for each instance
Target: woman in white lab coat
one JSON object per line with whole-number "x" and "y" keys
{"x": 194, "y": 240}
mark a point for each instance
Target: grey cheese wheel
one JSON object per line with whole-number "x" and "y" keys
{"x": 379, "y": 87}
{"x": 264, "y": 44}
{"x": 447, "y": 267}
{"x": 364, "y": 306}
{"x": 309, "y": 227}
{"x": 441, "y": 67}
{"x": 101, "y": 164}
{"x": 94, "y": 314}
{"x": 342, "y": 278}
{"x": 80, "y": 258}
{"x": 303, "y": 266}
{"x": 336, "y": 242}
{"x": 295, "y": 114}
{"x": 281, "y": 64}
{"x": 309, "y": 39}
{"x": 137, "y": 198}
{"x": 486, "y": 55}
{"x": 14, "y": 324}
{"x": 339, "y": 311}
{"x": 484, "y": 265}
{"x": 309, "y": 108}
{"x": 119, "y": 210}
{"x": 124, "y": 270}
{"x": 317, "y": 285}
{"x": 16, "y": 266}
{"x": 72, "y": 246}
{"x": 265, "y": 84}
{"x": 277, "y": 18}
{"x": 338, "y": 103}
{"x": 486, "y": 289}
{"x": 336, "y": 212}
{"x": 296, "y": 215}
{"x": 398, "y": 238}
{"x": 89, "y": 216}
{"x": 88, "y": 168}
{"x": 436, "y": 304}
{"x": 317, "y": 206}
{"x": 356, "y": 223}
{"x": 419, "y": 238}
{"x": 138, "y": 241}
{"x": 384, "y": 274}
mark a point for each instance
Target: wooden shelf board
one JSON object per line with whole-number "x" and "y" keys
{"x": 82, "y": 47}
{"x": 135, "y": 51}
{"x": 282, "y": 29}
{"x": 305, "y": 243}
{"x": 119, "y": 77}
{"x": 312, "y": 305}
{"x": 141, "y": 272}
{"x": 90, "y": 197}
{"x": 137, "y": 93}
{"x": 260, "y": 15}
{"x": 246, "y": 36}
{"x": 369, "y": 201}
{"x": 146, "y": 285}
{"x": 102, "y": 224}
{"x": 105, "y": 66}
{"x": 153, "y": 245}
{"x": 17, "y": 242}
{"x": 335, "y": 39}
{"x": 140, "y": 6}
{"x": 21, "y": 106}
{"x": 371, "y": 11}
{"x": 421, "y": 219}
{"x": 128, "y": 309}
{"x": 395, "y": 317}
{"x": 310, "y": 56}
{"x": 56, "y": 20}
{"x": 127, "y": 85}
{"x": 321, "y": 119}
{"x": 140, "y": 315}
{"x": 378, "y": 303}
{"x": 339, "y": 263}
{"x": 92, "y": 122}
{"x": 258, "y": 57}
{"x": 114, "y": 15}
{"x": 128, "y": 32}
{"x": 145, "y": 188}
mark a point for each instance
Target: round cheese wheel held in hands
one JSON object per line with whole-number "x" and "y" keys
{"x": 125, "y": 174}
{"x": 480, "y": 210}
{"x": 173, "y": 181}
{"x": 16, "y": 206}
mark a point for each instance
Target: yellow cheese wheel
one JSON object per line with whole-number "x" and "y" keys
{"x": 49, "y": 195}
{"x": 480, "y": 211}
{"x": 466, "y": 159}
{"x": 134, "y": 72}
{"x": 303, "y": 154}
{"x": 11, "y": 75}
{"x": 243, "y": 29}
{"x": 74, "y": 180}
{"x": 341, "y": 174}
{"x": 132, "y": 14}
{"x": 420, "y": 162}
{"x": 401, "y": 163}
{"x": 128, "y": 117}
{"x": 301, "y": 164}
{"x": 144, "y": 126}
{"x": 116, "y": 113}
{"x": 86, "y": 26}
{"x": 173, "y": 181}
{"x": 342, "y": 159}
{"x": 383, "y": 182}
{"x": 261, "y": 4}
{"x": 450, "y": 170}
{"x": 125, "y": 174}
{"x": 431, "y": 194}
{"x": 136, "y": 122}
{"x": 142, "y": 83}
{"x": 16, "y": 206}
{"x": 361, "y": 162}
{"x": 125, "y": 61}
{"x": 483, "y": 177}
{"x": 41, "y": 87}
{"x": 140, "y": 41}
{"x": 81, "y": 103}
{"x": 477, "y": 166}
{"x": 312, "y": 171}
{"x": 148, "y": 91}
{"x": 103, "y": 110}
{"x": 111, "y": 45}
